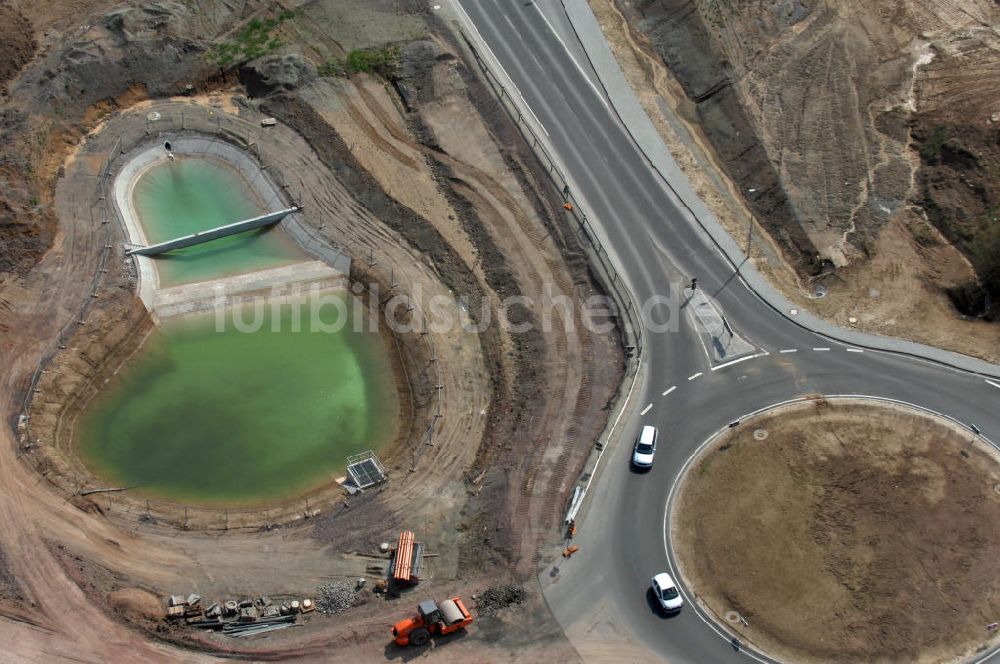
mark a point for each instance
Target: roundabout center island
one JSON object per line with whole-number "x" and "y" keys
{"x": 842, "y": 529}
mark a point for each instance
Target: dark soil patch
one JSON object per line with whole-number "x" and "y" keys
{"x": 17, "y": 43}
{"x": 9, "y": 587}
{"x": 958, "y": 190}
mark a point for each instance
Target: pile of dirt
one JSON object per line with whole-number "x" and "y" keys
{"x": 805, "y": 104}
{"x": 136, "y": 604}
{"x": 961, "y": 197}
{"x": 685, "y": 41}
{"x": 881, "y": 529}
{"x": 17, "y": 43}
{"x": 493, "y": 600}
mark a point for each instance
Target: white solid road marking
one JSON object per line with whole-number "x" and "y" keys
{"x": 854, "y": 350}
{"x": 646, "y": 409}
{"x": 993, "y": 383}
{"x": 668, "y": 391}
{"x": 789, "y": 350}
{"x": 694, "y": 376}
{"x": 738, "y": 360}
{"x": 820, "y": 350}
{"x": 555, "y": 34}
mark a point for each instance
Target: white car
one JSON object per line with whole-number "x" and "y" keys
{"x": 645, "y": 447}
{"x": 666, "y": 593}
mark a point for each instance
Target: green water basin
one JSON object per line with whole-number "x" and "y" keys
{"x": 213, "y": 417}
{"x": 187, "y": 195}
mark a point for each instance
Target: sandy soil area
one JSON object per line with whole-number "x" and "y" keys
{"x": 846, "y": 531}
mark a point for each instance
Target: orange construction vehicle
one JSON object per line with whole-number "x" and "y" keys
{"x": 432, "y": 618}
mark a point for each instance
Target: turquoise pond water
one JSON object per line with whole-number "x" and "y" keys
{"x": 228, "y": 417}
{"x": 187, "y": 195}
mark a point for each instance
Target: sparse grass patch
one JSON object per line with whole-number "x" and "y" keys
{"x": 381, "y": 61}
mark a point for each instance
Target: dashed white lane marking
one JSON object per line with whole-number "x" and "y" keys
{"x": 646, "y": 409}
{"x": 671, "y": 389}
{"x": 854, "y": 350}
{"x": 820, "y": 350}
{"x": 993, "y": 383}
{"x": 738, "y": 360}
{"x": 694, "y": 376}
{"x": 789, "y": 350}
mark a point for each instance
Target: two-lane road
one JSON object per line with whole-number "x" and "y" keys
{"x": 655, "y": 247}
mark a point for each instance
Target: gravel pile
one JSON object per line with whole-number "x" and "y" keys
{"x": 335, "y": 597}
{"x": 492, "y": 600}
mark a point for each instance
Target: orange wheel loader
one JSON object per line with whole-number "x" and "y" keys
{"x": 432, "y": 617}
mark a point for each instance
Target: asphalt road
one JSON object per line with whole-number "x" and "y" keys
{"x": 657, "y": 247}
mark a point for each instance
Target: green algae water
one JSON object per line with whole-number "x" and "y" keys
{"x": 186, "y": 195}
{"x": 229, "y": 417}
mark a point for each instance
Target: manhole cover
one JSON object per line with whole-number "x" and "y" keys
{"x": 153, "y": 116}
{"x": 760, "y": 434}
{"x": 732, "y": 617}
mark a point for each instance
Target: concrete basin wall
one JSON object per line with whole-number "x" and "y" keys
{"x": 268, "y": 195}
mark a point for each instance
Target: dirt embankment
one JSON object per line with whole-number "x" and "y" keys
{"x": 956, "y": 133}
{"x": 17, "y": 44}
{"x": 807, "y": 110}
{"x": 90, "y": 65}
{"x": 852, "y": 531}
{"x": 684, "y": 40}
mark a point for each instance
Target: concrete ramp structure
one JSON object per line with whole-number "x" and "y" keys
{"x": 214, "y": 233}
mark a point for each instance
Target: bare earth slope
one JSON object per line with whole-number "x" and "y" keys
{"x": 808, "y": 108}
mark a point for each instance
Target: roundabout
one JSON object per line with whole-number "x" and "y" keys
{"x": 854, "y": 530}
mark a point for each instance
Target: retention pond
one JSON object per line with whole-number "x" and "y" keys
{"x": 251, "y": 402}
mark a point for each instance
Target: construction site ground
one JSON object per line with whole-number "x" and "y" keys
{"x": 445, "y": 199}
{"x": 854, "y": 531}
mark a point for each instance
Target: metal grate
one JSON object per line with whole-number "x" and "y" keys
{"x": 365, "y": 469}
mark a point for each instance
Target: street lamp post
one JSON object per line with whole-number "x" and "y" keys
{"x": 750, "y": 229}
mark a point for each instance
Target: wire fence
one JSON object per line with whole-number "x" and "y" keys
{"x": 219, "y": 135}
